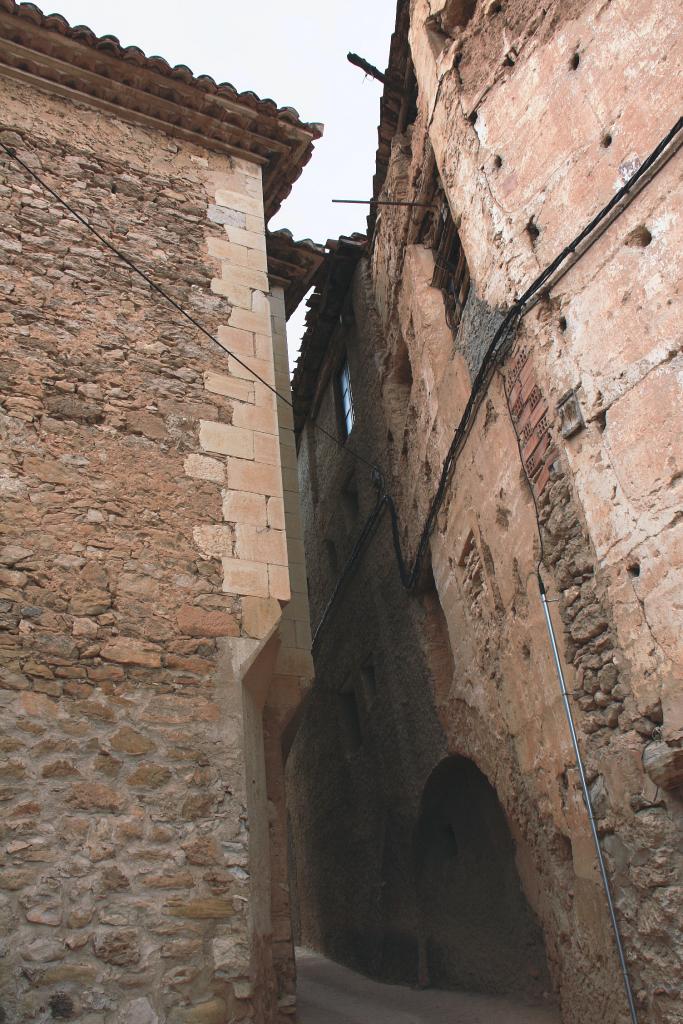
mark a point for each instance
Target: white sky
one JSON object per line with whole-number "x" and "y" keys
{"x": 293, "y": 52}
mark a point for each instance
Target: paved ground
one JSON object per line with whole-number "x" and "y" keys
{"x": 330, "y": 994}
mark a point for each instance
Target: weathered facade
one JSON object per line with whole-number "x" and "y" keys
{"x": 155, "y": 639}
{"x": 438, "y": 827}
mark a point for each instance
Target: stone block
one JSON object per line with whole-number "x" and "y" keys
{"x": 278, "y": 582}
{"x": 235, "y": 340}
{"x": 263, "y": 346}
{"x": 267, "y": 448}
{"x": 664, "y": 765}
{"x": 293, "y": 661}
{"x": 221, "y": 249}
{"x": 212, "y": 908}
{"x": 95, "y": 796}
{"x": 239, "y": 295}
{"x": 127, "y": 651}
{"x": 201, "y": 468}
{"x": 296, "y": 551}
{"x": 224, "y": 439}
{"x": 230, "y": 387}
{"x": 245, "y": 277}
{"x": 194, "y": 621}
{"x": 128, "y": 741}
{"x": 303, "y": 634}
{"x": 254, "y": 476}
{"x": 261, "y": 544}
{"x": 259, "y": 616}
{"x": 251, "y": 239}
{"x": 241, "y": 507}
{"x": 261, "y": 419}
{"x": 243, "y": 578}
{"x": 255, "y": 222}
{"x": 236, "y": 200}
{"x": 250, "y": 320}
{"x": 214, "y": 541}
{"x": 227, "y": 216}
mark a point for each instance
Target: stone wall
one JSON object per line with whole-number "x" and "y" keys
{"x": 531, "y": 118}
{"x": 144, "y": 567}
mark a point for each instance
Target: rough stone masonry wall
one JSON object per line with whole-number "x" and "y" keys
{"x": 536, "y": 115}
{"x": 143, "y": 567}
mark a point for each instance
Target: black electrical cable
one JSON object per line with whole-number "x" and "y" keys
{"x": 12, "y": 153}
{"x": 497, "y": 349}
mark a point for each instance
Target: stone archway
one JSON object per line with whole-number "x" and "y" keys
{"x": 476, "y": 929}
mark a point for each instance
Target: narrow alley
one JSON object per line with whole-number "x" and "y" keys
{"x": 332, "y": 994}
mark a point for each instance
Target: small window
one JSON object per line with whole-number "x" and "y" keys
{"x": 451, "y": 273}
{"x": 345, "y": 399}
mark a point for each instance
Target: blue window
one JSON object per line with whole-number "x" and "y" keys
{"x": 346, "y": 399}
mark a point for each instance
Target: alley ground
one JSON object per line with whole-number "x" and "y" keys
{"x": 330, "y": 994}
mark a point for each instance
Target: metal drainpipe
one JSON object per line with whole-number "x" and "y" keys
{"x": 588, "y": 803}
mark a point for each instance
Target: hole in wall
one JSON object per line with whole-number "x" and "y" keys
{"x": 607, "y": 140}
{"x": 574, "y": 61}
{"x": 497, "y": 160}
{"x": 601, "y": 420}
{"x": 473, "y": 117}
{"x": 494, "y": 8}
{"x": 634, "y": 569}
{"x": 61, "y": 1006}
{"x": 563, "y": 323}
{"x": 639, "y": 238}
{"x": 532, "y": 230}
{"x": 114, "y": 188}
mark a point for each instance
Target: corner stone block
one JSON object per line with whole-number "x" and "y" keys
{"x": 230, "y": 387}
{"x": 254, "y": 477}
{"x": 236, "y": 294}
{"x": 245, "y": 579}
{"x": 250, "y": 320}
{"x": 235, "y": 200}
{"x": 232, "y": 339}
{"x": 249, "y": 509}
{"x": 261, "y": 545}
{"x": 267, "y": 449}
{"x": 251, "y": 239}
{"x": 259, "y": 615}
{"x": 276, "y": 513}
{"x": 226, "y": 440}
{"x": 246, "y": 276}
{"x": 255, "y": 418}
{"x": 278, "y": 583}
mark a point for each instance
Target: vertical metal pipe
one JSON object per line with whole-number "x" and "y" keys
{"x": 588, "y": 802}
